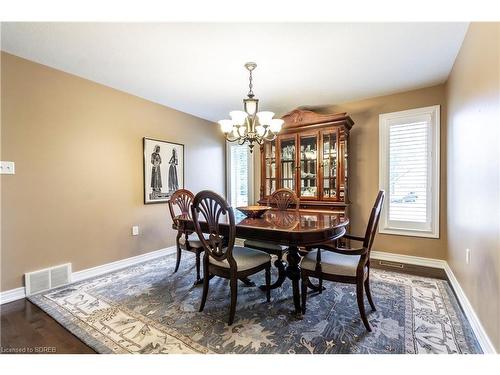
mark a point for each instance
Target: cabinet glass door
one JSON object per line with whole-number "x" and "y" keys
{"x": 287, "y": 159}
{"x": 309, "y": 166}
{"x": 270, "y": 167}
{"x": 329, "y": 164}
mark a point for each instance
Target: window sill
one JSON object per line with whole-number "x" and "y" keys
{"x": 409, "y": 233}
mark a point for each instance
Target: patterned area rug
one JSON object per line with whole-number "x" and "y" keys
{"x": 148, "y": 309}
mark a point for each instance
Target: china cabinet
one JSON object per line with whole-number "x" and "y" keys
{"x": 309, "y": 156}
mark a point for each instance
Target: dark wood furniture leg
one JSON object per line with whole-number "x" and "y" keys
{"x": 280, "y": 264}
{"x": 293, "y": 273}
{"x": 179, "y": 251}
{"x": 199, "y": 280}
{"x": 361, "y": 305}
{"x": 206, "y": 280}
{"x": 247, "y": 281}
{"x": 316, "y": 288}
{"x": 367, "y": 289}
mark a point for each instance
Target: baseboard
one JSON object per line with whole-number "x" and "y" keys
{"x": 474, "y": 321}
{"x": 19, "y": 293}
{"x": 12, "y": 295}
{"x": 408, "y": 259}
{"x": 477, "y": 327}
{"x": 119, "y": 264}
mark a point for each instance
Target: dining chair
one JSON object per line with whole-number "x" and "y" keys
{"x": 222, "y": 258}
{"x": 345, "y": 265}
{"x": 282, "y": 199}
{"x": 181, "y": 201}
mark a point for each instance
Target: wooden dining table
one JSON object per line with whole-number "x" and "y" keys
{"x": 298, "y": 230}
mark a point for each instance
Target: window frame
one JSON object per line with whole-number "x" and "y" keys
{"x": 250, "y": 177}
{"x": 433, "y": 177}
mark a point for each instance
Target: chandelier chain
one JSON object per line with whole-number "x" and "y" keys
{"x": 250, "y": 85}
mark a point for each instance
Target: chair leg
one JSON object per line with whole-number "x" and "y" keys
{"x": 304, "y": 292}
{"x": 206, "y": 280}
{"x": 268, "y": 282}
{"x": 234, "y": 297}
{"x": 198, "y": 278}
{"x": 369, "y": 294}
{"x": 178, "y": 261}
{"x": 320, "y": 284}
{"x": 361, "y": 304}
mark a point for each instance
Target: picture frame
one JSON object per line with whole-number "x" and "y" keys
{"x": 163, "y": 169}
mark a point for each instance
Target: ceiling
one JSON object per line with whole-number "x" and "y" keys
{"x": 198, "y": 67}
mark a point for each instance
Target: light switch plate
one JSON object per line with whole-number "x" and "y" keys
{"x": 7, "y": 167}
{"x": 135, "y": 230}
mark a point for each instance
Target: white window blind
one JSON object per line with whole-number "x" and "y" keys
{"x": 409, "y": 172}
{"x": 239, "y": 174}
{"x": 408, "y": 158}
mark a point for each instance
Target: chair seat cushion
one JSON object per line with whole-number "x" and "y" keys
{"x": 332, "y": 263}
{"x": 193, "y": 239}
{"x": 245, "y": 258}
{"x": 264, "y": 245}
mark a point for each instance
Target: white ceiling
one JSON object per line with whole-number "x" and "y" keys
{"x": 198, "y": 67}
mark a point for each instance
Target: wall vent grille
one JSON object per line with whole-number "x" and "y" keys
{"x": 48, "y": 278}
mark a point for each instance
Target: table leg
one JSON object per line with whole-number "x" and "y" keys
{"x": 293, "y": 273}
{"x": 314, "y": 287}
{"x": 247, "y": 281}
{"x": 280, "y": 264}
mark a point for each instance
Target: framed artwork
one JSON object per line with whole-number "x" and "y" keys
{"x": 163, "y": 169}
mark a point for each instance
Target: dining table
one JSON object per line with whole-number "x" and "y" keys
{"x": 297, "y": 229}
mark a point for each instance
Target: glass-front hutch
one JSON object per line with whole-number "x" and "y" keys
{"x": 309, "y": 156}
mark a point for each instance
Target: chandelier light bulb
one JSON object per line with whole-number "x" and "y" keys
{"x": 265, "y": 117}
{"x": 238, "y": 117}
{"x": 261, "y": 131}
{"x": 276, "y": 125}
{"x": 226, "y": 126}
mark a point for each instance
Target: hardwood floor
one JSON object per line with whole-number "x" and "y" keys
{"x": 24, "y": 326}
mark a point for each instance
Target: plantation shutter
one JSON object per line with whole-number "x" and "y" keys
{"x": 409, "y": 172}
{"x": 409, "y": 157}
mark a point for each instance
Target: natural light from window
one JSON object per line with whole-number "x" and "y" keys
{"x": 408, "y": 158}
{"x": 409, "y": 172}
{"x": 239, "y": 174}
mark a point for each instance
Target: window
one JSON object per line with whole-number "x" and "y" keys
{"x": 239, "y": 174}
{"x": 409, "y": 172}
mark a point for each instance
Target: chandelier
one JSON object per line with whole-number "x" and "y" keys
{"x": 249, "y": 125}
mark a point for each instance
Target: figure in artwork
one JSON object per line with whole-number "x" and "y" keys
{"x": 156, "y": 172}
{"x": 173, "y": 182}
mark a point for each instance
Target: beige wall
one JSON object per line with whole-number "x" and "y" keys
{"x": 78, "y": 186}
{"x": 473, "y": 142}
{"x": 364, "y": 166}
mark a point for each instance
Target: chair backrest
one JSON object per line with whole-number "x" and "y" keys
{"x": 371, "y": 228}
{"x": 284, "y": 198}
{"x": 181, "y": 201}
{"x": 211, "y": 208}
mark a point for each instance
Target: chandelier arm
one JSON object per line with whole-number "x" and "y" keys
{"x": 231, "y": 139}
{"x": 271, "y": 138}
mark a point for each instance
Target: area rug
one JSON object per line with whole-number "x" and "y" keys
{"x": 147, "y": 308}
